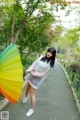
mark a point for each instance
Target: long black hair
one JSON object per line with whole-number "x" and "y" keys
{"x": 52, "y": 58}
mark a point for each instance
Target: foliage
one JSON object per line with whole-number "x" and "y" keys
{"x": 75, "y": 68}
{"x": 76, "y": 52}
{"x": 29, "y": 61}
{"x": 60, "y": 56}
{"x": 22, "y": 26}
{"x": 28, "y": 24}
{"x": 1, "y": 97}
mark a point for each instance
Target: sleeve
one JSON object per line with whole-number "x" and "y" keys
{"x": 34, "y": 64}
{"x": 41, "y": 74}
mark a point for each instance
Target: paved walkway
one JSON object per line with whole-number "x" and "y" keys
{"x": 54, "y": 100}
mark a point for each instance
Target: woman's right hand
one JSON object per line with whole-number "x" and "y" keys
{"x": 27, "y": 71}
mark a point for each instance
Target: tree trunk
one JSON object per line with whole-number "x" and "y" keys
{"x": 17, "y": 34}
{"x": 14, "y": 36}
{"x": 12, "y": 30}
{"x": 68, "y": 52}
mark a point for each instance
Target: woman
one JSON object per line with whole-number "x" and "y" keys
{"x": 35, "y": 73}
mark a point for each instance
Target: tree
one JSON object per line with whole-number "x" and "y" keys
{"x": 33, "y": 36}
{"x": 69, "y": 39}
{"x": 76, "y": 52}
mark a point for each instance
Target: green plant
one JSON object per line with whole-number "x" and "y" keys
{"x": 1, "y": 97}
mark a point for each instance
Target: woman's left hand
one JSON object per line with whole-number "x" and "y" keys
{"x": 37, "y": 74}
{"x": 32, "y": 72}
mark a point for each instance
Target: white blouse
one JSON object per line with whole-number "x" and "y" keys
{"x": 40, "y": 67}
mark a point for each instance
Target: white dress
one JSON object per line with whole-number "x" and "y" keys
{"x": 41, "y": 68}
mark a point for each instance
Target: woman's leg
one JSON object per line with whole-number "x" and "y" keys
{"x": 24, "y": 84}
{"x": 33, "y": 101}
{"x": 25, "y": 98}
{"x": 33, "y": 97}
{"x": 27, "y": 90}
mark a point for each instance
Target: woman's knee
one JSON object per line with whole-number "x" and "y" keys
{"x": 32, "y": 92}
{"x": 28, "y": 86}
{"x": 32, "y": 95}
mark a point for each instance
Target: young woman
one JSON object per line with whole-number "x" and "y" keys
{"x": 36, "y": 71}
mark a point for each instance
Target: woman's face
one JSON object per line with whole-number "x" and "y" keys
{"x": 49, "y": 54}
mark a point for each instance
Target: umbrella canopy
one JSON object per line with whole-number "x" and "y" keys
{"x": 11, "y": 73}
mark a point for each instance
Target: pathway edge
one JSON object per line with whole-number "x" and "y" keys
{"x": 73, "y": 92}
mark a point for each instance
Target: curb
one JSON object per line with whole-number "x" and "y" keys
{"x": 5, "y": 102}
{"x": 73, "y": 92}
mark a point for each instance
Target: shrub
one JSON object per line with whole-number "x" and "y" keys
{"x": 75, "y": 68}
{"x": 1, "y": 97}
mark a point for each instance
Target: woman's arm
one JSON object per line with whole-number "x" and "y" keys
{"x": 40, "y": 74}
{"x": 33, "y": 65}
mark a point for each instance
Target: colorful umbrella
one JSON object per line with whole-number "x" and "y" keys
{"x": 11, "y": 74}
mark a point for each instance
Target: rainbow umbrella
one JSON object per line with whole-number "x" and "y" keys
{"x": 11, "y": 74}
